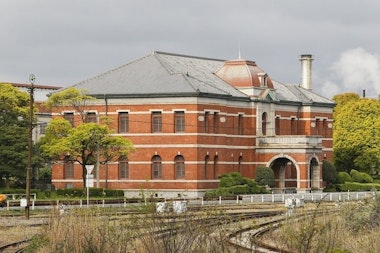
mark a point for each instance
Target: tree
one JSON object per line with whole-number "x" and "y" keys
{"x": 329, "y": 174}
{"x": 82, "y": 144}
{"x": 265, "y": 176}
{"x": 71, "y": 99}
{"x": 357, "y": 135}
{"x": 14, "y": 107}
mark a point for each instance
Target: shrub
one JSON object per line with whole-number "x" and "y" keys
{"x": 94, "y": 192}
{"x": 329, "y": 174}
{"x": 360, "y": 177}
{"x": 231, "y": 179}
{"x": 234, "y": 183}
{"x": 343, "y": 177}
{"x": 265, "y": 176}
{"x": 355, "y": 186}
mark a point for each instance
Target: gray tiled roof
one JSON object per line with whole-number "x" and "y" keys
{"x": 166, "y": 74}
{"x": 161, "y": 73}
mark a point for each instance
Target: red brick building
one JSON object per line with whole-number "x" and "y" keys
{"x": 192, "y": 119}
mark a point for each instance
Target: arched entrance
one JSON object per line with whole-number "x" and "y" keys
{"x": 286, "y": 174}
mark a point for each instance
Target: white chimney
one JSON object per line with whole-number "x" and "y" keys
{"x": 306, "y": 60}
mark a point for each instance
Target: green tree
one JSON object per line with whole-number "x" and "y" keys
{"x": 357, "y": 135}
{"x": 265, "y": 176}
{"x": 71, "y": 99}
{"x": 328, "y": 172}
{"x": 14, "y": 111}
{"x": 82, "y": 144}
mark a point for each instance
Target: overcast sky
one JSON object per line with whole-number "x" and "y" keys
{"x": 65, "y": 42}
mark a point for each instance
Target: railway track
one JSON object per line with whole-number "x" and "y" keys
{"x": 248, "y": 238}
{"x": 231, "y": 214}
{"x": 15, "y": 247}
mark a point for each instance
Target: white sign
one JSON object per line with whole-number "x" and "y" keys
{"x": 89, "y": 180}
{"x": 89, "y": 169}
{"x": 23, "y": 202}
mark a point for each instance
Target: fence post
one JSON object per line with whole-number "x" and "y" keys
{"x": 202, "y": 201}
{"x": 251, "y": 198}
{"x": 220, "y": 200}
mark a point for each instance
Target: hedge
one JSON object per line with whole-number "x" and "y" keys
{"x": 354, "y": 186}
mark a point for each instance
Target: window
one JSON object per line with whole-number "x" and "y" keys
{"x": 43, "y": 128}
{"x": 240, "y": 164}
{"x": 216, "y": 158}
{"x": 156, "y": 167}
{"x": 156, "y": 122}
{"x": 240, "y": 124}
{"x": 293, "y": 126}
{"x": 207, "y": 160}
{"x": 317, "y": 127}
{"x": 179, "y": 122}
{"x": 69, "y": 116}
{"x": 277, "y": 125}
{"x": 207, "y": 114}
{"x": 264, "y": 123}
{"x": 123, "y": 169}
{"x": 215, "y": 122}
{"x": 90, "y": 117}
{"x": 179, "y": 162}
{"x": 123, "y": 122}
{"x": 68, "y": 168}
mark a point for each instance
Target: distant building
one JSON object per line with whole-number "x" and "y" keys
{"x": 192, "y": 119}
{"x": 43, "y": 114}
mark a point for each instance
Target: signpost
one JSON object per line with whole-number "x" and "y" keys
{"x": 89, "y": 181}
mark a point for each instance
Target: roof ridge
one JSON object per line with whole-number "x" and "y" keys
{"x": 217, "y": 88}
{"x": 188, "y": 56}
{"x": 165, "y": 66}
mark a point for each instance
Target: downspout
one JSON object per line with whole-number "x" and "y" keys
{"x": 106, "y": 108}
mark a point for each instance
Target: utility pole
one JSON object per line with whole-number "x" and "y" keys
{"x": 32, "y": 78}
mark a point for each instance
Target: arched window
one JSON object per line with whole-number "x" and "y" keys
{"x": 123, "y": 168}
{"x": 179, "y": 162}
{"x": 215, "y": 166}
{"x": 264, "y": 123}
{"x": 240, "y": 170}
{"x": 156, "y": 167}
{"x": 207, "y": 160}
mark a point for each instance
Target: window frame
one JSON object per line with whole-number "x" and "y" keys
{"x": 68, "y": 168}
{"x": 123, "y": 169}
{"x": 123, "y": 121}
{"x": 91, "y": 117}
{"x": 179, "y": 122}
{"x": 156, "y": 122}
{"x": 179, "y": 165}
{"x": 156, "y": 167}
{"x": 69, "y": 116}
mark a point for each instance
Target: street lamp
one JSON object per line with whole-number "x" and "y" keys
{"x": 32, "y": 78}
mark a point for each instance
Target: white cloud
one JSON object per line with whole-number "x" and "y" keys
{"x": 354, "y": 71}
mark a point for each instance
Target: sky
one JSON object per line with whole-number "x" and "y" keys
{"x": 65, "y": 42}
